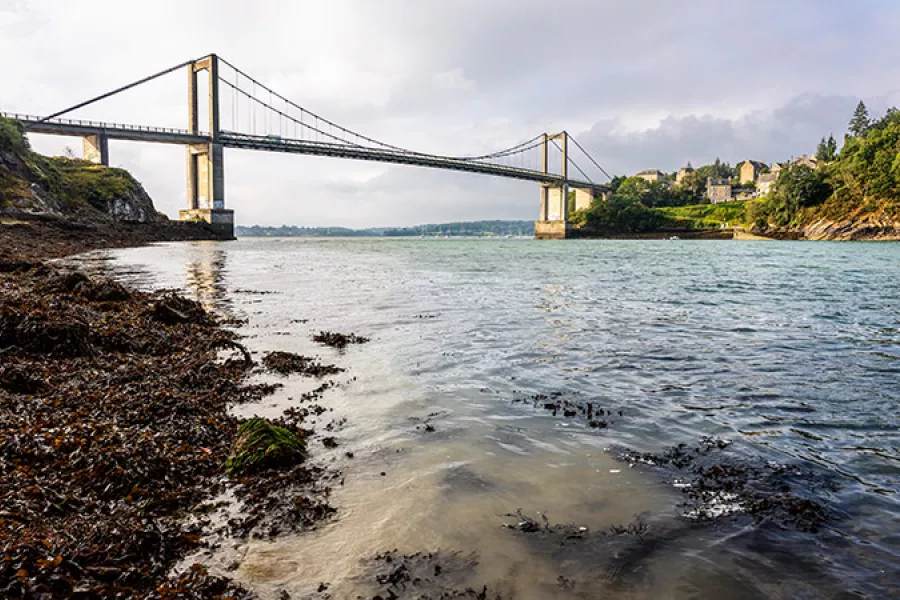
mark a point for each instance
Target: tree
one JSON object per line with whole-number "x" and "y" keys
{"x": 822, "y": 151}
{"x": 860, "y": 123}
{"x": 826, "y": 150}
{"x": 832, "y": 148}
{"x": 620, "y": 214}
{"x": 694, "y": 183}
{"x": 616, "y": 182}
{"x": 801, "y": 186}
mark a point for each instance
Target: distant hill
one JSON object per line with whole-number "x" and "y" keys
{"x": 460, "y": 229}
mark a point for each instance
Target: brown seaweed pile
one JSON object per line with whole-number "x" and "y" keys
{"x": 113, "y": 427}
{"x": 716, "y": 484}
{"x": 338, "y": 340}
{"x": 286, "y": 363}
{"x": 423, "y": 576}
{"x": 593, "y": 413}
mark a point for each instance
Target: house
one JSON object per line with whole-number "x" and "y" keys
{"x": 776, "y": 168}
{"x": 743, "y": 193}
{"x": 682, "y": 173}
{"x": 651, "y": 175}
{"x": 808, "y": 161}
{"x": 718, "y": 190}
{"x": 750, "y": 170}
{"x": 766, "y": 182}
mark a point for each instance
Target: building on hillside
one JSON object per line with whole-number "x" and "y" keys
{"x": 776, "y": 168}
{"x": 651, "y": 175}
{"x": 750, "y": 170}
{"x": 743, "y": 193}
{"x": 682, "y": 173}
{"x": 766, "y": 182}
{"x": 809, "y": 161}
{"x": 718, "y": 190}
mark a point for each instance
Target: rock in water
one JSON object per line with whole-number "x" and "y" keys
{"x": 261, "y": 445}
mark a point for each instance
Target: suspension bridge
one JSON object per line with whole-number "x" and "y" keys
{"x": 258, "y": 118}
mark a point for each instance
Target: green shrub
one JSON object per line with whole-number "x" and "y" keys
{"x": 12, "y": 136}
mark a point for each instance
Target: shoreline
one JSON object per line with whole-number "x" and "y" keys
{"x": 115, "y": 427}
{"x": 36, "y": 238}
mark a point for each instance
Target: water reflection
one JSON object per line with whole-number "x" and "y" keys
{"x": 205, "y": 273}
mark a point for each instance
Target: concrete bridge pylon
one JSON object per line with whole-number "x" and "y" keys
{"x": 554, "y": 210}
{"x": 206, "y": 161}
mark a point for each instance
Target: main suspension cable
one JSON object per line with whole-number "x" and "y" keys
{"x": 116, "y": 91}
{"x": 591, "y": 158}
{"x": 573, "y": 163}
{"x": 302, "y": 110}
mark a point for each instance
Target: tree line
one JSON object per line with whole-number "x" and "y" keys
{"x": 863, "y": 176}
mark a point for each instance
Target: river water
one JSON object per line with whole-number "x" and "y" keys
{"x": 789, "y": 351}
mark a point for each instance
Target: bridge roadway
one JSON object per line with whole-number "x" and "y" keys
{"x": 163, "y": 135}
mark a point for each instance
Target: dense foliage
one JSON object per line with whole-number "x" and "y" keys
{"x": 619, "y": 214}
{"x": 12, "y": 136}
{"x": 797, "y": 187}
{"x": 869, "y": 165}
{"x": 863, "y": 178}
{"x": 826, "y": 151}
{"x": 636, "y": 205}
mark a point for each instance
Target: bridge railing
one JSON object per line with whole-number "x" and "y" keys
{"x": 29, "y": 119}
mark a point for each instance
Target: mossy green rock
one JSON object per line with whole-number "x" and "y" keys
{"x": 261, "y": 445}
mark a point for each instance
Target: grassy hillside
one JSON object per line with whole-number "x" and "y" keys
{"x": 33, "y": 182}
{"x": 705, "y": 216}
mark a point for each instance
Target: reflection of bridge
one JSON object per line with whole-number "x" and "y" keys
{"x": 271, "y": 122}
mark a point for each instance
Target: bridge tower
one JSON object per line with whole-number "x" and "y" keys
{"x": 554, "y": 211}
{"x": 205, "y": 161}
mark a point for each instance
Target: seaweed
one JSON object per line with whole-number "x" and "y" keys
{"x": 261, "y": 445}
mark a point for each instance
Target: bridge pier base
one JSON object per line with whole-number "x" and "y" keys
{"x": 554, "y": 216}
{"x": 96, "y": 148}
{"x": 221, "y": 220}
{"x": 552, "y": 230}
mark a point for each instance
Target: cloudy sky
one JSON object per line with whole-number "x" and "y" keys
{"x": 641, "y": 84}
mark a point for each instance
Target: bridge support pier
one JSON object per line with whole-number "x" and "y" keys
{"x": 206, "y": 162}
{"x": 96, "y": 148}
{"x": 221, "y": 220}
{"x": 206, "y": 189}
{"x": 554, "y": 216}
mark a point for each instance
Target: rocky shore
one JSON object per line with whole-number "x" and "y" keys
{"x": 115, "y": 430}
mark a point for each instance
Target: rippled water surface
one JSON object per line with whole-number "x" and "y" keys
{"x": 789, "y": 350}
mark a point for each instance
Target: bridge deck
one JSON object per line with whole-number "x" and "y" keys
{"x": 118, "y": 131}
